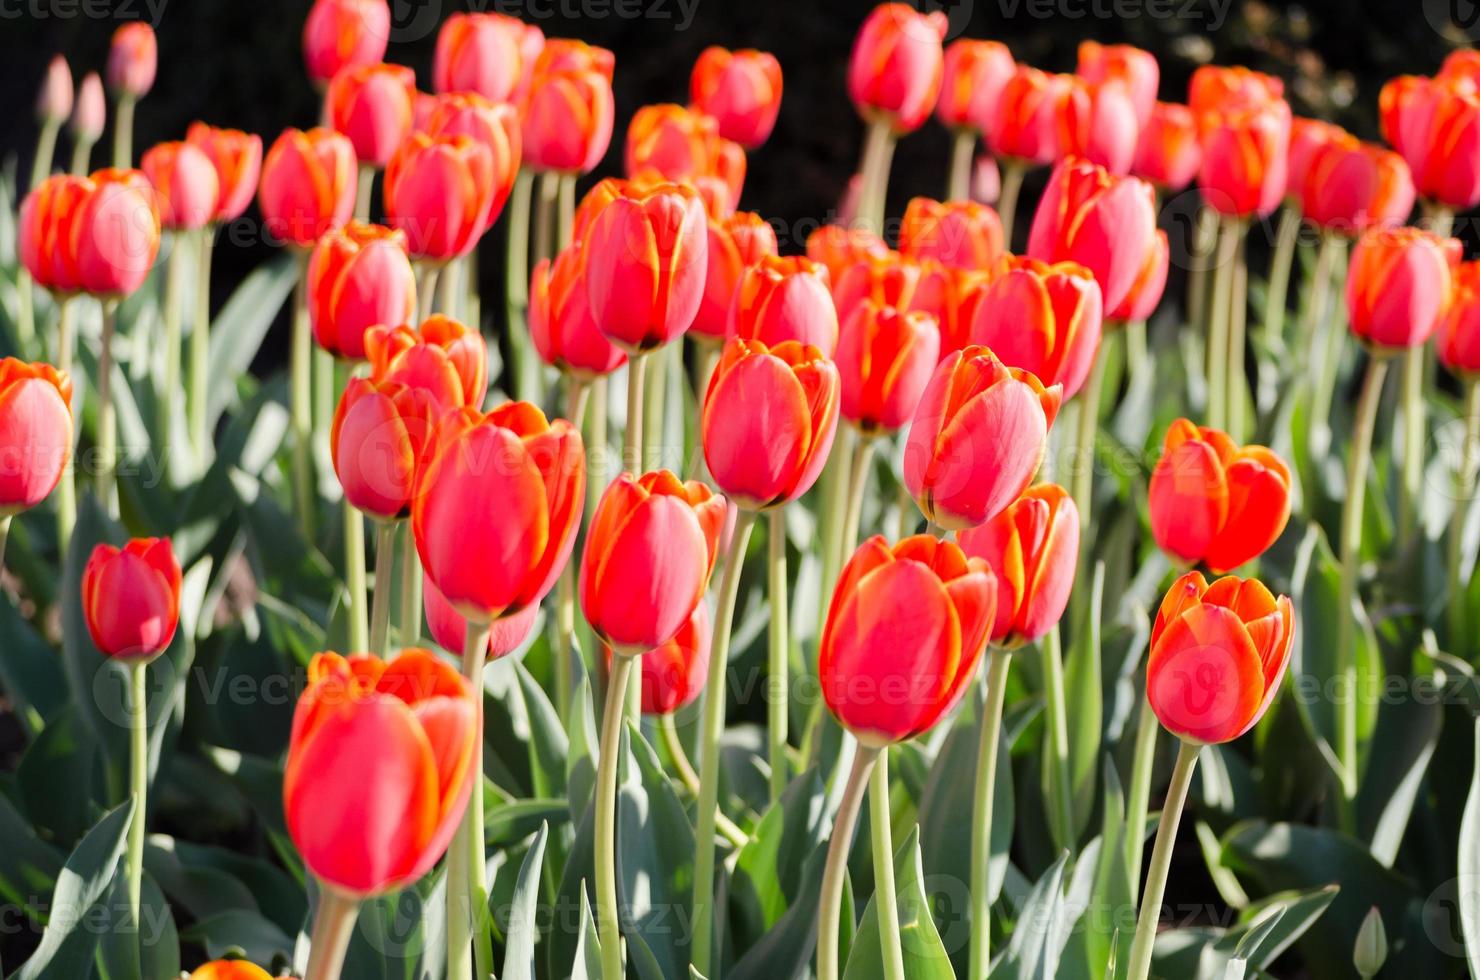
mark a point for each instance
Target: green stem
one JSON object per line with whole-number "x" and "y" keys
{"x": 46, "y": 148}
{"x": 1161, "y": 862}
{"x": 1323, "y": 339}
{"x": 1203, "y": 240}
{"x": 82, "y": 157}
{"x": 516, "y": 286}
{"x": 200, "y": 351}
{"x": 566, "y": 223}
{"x": 544, "y": 216}
{"x": 410, "y": 590}
{"x": 472, "y": 298}
{"x": 138, "y": 717}
{"x": 655, "y": 391}
{"x": 380, "y": 609}
{"x": 67, "y": 486}
{"x": 1138, "y": 794}
{"x": 576, "y": 394}
{"x": 668, "y": 732}
{"x": 1464, "y": 484}
{"x": 364, "y": 189}
{"x": 707, "y": 354}
{"x": 1135, "y": 347}
{"x": 174, "y": 301}
{"x": 779, "y": 703}
{"x": 4, "y": 537}
{"x": 981, "y": 821}
{"x": 834, "y": 489}
{"x": 301, "y": 401}
{"x": 1412, "y": 423}
{"x": 426, "y": 288}
{"x": 830, "y": 909}
{"x": 886, "y": 899}
{"x": 878, "y": 150}
{"x": 25, "y": 294}
{"x": 1237, "y": 322}
{"x": 449, "y": 290}
{"x": 354, "y": 578}
{"x": 1286, "y": 238}
{"x": 608, "y": 917}
{"x": 1056, "y": 748}
{"x": 107, "y": 448}
{"x": 123, "y": 132}
{"x": 857, "y": 488}
{"x": 1007, "y": 197}
{"x": 963, "y": 148}
{"x": 709, "y": 762}
{"x": 325, "y": 398}
{"x": 333, "y": 927}
{"x": 467, "y": 887}
{"x": 1218, "y": 324}
{"x": 1087, "y": 425}
{"x": 632, "y": 441}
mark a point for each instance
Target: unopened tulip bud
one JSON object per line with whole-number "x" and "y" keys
{"x": 54, "y": 102}
{"x": 90, "y": 113}
{"x": 133, "y": 60}
{"x": 131, "y": 598}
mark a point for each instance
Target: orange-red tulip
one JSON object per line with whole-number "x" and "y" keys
{"x": 372, "y": 105}
{"x": 1043, "y": 318}
{"x": 1027, "y": 123}
{"x": 1097, "y": 121}
{"x": 1132, "y": 67}
{"x": 237, "y": 157}
{"x": 442, "y": 357}
{"x": 442, "y": 191}
{"x": 649, "y": 553}
{"x": 1105, "y": 223}
{"x": 308, "y": 185}
{"x": 560, "y": 322}
{"x": 1307, "y": 138}
{"x": 962, "y": 234}
{"x": 54, "y": 101}
{"x": 1459, "y": 334}
{"x": 741, "y": 90}
{"x": 674, "y": 673}
{"x": 479, "y": 52}
{"x": 975, "y": 73}
{"x": 905, "y": 630}
{"x": 678, "y": 142}
{"x": 131, "y": 598}
{"x": 186, "y": 188}
{"x": 736, "y": 243}
{"x": 495, "y": 125}
{"x": 887, "y": 280}
{"x": 885, "y": 359}
{"x": 133, "y": 59}
{"x": 839, "y": 248}
{"x": 380, "y": 768}
{"x": 1218, "y": 654}
{"x": 1218, "y": 88}
{"x": 358, "y": 277}
{"x": 1168, "y": 151}
{"x": 230, "y": 970}
{"x": 1146, "y": 292}
{"x": 1215, "y": 502}
{"x": 450, "y": 629}
{"x": 784, "y": 298}
{"x": 91, "y": 110}
{"x": 894, "y": 73}
{"x": 567, "y": 54}
{"x": 97, "y": 234}
{"x": 1398, "y": 285}
{"x": 977, "y": 439}
{"x": 1245, "y": 159}
{"x": 647, "y": 252}
{"x": 568, "y": 121}
{"x": 766, "y": 458}
{"x": 35, "y": 433}
{"x": 1435, "y": 125}
{"x": 342, "y": 33}
{"x": 1350, "y": 187}
{"x": 1031, "y": 549}
{"x": 377, "y": 442}
{"x": 950, "y": 296}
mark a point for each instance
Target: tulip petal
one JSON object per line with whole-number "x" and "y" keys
{"x": 1204, "y": 678}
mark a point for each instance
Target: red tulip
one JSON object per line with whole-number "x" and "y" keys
{"x": 1168, "y": 152}
{"x": 380, "y": 768}
{"x": 1218, "y": 88}
{"x": 496, "y": 507}
{"x": 1105, "y": 223}
{"x": 1245, "y": 159}
{"x": 441, "y": 190}
{"x": 650, "y": 550}
{"x": 785, "y": 298}
{"x": 885, "y": 359}
{"x": 97, "y": 234}
{"x": 1031, "y": 549}
{"x": 736, "y": 243}
{"x": 568, "y": 121}
{"x": 677, "y": 142}
{"x": 372, "y": 105}
{"x": 905, "y": 630}
{"x": 1459, "y": 333}
{"x": 237, "y": 157}
{"x": 962, "y": 234}
{"x": 1218, "y": 654}
{"x": 560, "y": 322}
{"x": 378, "y": 441}
{"x": 1214, "y": 502}
{"x": 766, "y": 458}
{"x": 977, "y": 439}
{"x": 449, "y": 629}
{"x": 358, "y": 277}
{"x": 674, "y": 673}
{"x": 1307, "y": 138}
{"x": 479, "y": 52}
{"x": 54, "y": 101}
{"x": 343, "y": 33}
{"x": 442, "y": 357}
{"x": 646, "y": 256}
{"x": 1351, "y": 187}
{"x": 1045, "y": 319}
{"x": 838, "y": 248}
{"x": 894, "y": 73}
{"x": 887, "y": 280}
{"x": 90, "y": 112}
{"x": 975, "y": 73}
{"x": 1150, "y": 284}
{"x": 1097, "y": 121}
{"x": 1435, "y": 125}
{"x": 35, "y": 433}
{"x": 308, "y": 185}
{"x": 1131, "y": 67}
{"x": 496, "y": 126}
{"x": 133, "y": 60}
{"x": 186, "y": 187}
{"x": 131, "y": 598}
{"x": 566, "y": 54}
{"x": 1027, "y": 122}
{"x": 229, "y": 970}
{"x": 741, "y": 90}
{"x": 950, "y": 296}
{"x": 1398, "y": 285}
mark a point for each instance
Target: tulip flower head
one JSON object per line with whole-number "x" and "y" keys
{"x": 35, "y": 433}
{"x": 237, "y": 157}
{"x": 230, "y": 970}
{"x": 1045, "y": 319}
{"x": 894, "y": 73}
{"x": 1351, "y": 186}
{"x": 1151, "y": 283}
{"x": 358, "y": 277}
{"x": 674, "y": 141}
{"x": 772, "y": 455}
{"x": 568, "y": 120}
{"x": 1246, "y": 159}
{"x": 736, "y": 243}
{"x": 885, "y": 359}
{"x": 649, "y": 553}
{"x": 378, "y": 442}
{"x": 1307, "y": 138}
{"x": 450, "y": 629}
{"x": 1218, "y": 654}
{"x": 839, "y": 248}
{"x": 560, "y": 322}
{"x": 90, "y": 112}
{"x": 442, "y": 357}
{"x": 1168, "y": 151}
{"x": 1132, "y": 68}
{"x": 186, "y": 187}
{"x": 362, "y": 829}
{"x": 1435, "y": 125}
{"x": 740, "y": 90}
{"x": 1097, "y": 121}
{"x": 785, "y": 298}
{"x": 1459, "y": 334}
{"x": 495, "y": 125}
{"x": 97, "y": 235}
{"x": 1398, "y": 286}
{"x": 344, "y": 33}
{"x": 905, "y": 630}
{"x": 1026, "y": 128}
{"x": 372, "y": 105}
{"x": 977, "y": 439}
{"x": 1031, "y": 550}
{"x": 1215, "y": 502}
{"x": 308, "y": 185}
{"x": 962, "y": 234}
{"x": 131, "y": 598}
{"x": 442, "y": 191}
{"x": 479, "y": 52}
{"x": 674, "y": 673}
{"x": 1221, "y": 87}
{"x": 950, "y": 296}
{"x": 887, "y": 280}
{"x": 974, "y": 74}
{"x": 54, "y": 101}
{"x": 133, "y": 60}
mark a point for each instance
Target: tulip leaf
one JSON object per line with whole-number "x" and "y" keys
{"x": 1469, "y": 866}
{"x": 256, "y": 937}
{"x": 241, "y": 325}
{"x": 581, "y": 750}
{"x": 523, "y": 927}
{"x": 1084, "y": 691}
{"x": 28, "y": 865}
{"x": 769, "y": 869}
{"x": 587, "y": 965}
{"x": 925, "y": 956}
{"x": 565, "y": 938}
{"x": 787, "y": 947}
{"x": 55, "y": 778}
{"x": 1407, "y": 734}
{"x": 655, "y": 844}
{"x": 1031, "y": 952}
{"x": 124, "y": 954}
{"x": 548, "y": 746}
{"x": 33, "y": 678}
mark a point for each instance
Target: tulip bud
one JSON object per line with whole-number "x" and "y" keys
{"x": 90, "y": 113}
{"x": 1042, "y": 318}
{"x": 646, "y": 255}
{"x": 441, "y": 191}
{"x": 133, "y": 60}
{"x": 1435, "y": 125}
{"x": 131, "y": 598}
{"x": 975, "y": 72}
{"x": 741, "y": 90}
{"x": 650, "y": 550}
{"x": 1031, "y": 550}
{"x": 480, "y": 53}
{"x": 767, "y": 458}
{"x": 1352, "y": 187}
{"x": 1245, "y": 159}
{"x": 344, "y": 33}
{"x": 230, "y": 970}
{"x": 237, "y": 157}
{"x": 496, "y": 126}
{"x": 560, "y": 322}
{"x": 679, "y": 143}
{"x": 1026, "y": 127}
{"x": 838, "y": 248}
{"x": 785, "y": 298}
{"x": 308, "y": 185}
{"x": 1134, "y": 69}
{"x": 186, "y": 187}
{"x": 442, "y": 357}
{"x": 977, "y": 439}
{"x": 1168, "y": 151}
{"x": 1097, "y": 121}
{"x": 1398, "y": 286}
{"x": 377, "y": 442}
{"x": 1459, "y": 333}
{"x": 358, "y": 277}
{"x": 98, "y": 234}
{"x": 416, "y": 718}
{"x": 962, "y": 234}
{"x": 894, "y": 72}
{"x": 568, "y": 121}
{"x": 1218, "y": 88}
{"x": 736, "y": 243}
{"x": 560, "y": 55}
{"x": 1371, "y": 949}
{"x": 372, "y": 105}
{"x": 950, "y": 296}
{"x": 674, "y": 673}
{"x": 450, "y": 630}
{"x": 1214, "y": 502}
{"x": 905, "y": 630}
{"x": 35, "y": 433}
{"x": 1218, "y": 654}
{"x": 885, "y": 359}
{"x": 496, "y": 507}
{"x": 1307, "y": 138}
{"x": 54, "y": 101}
{"x": 890, "y": 280}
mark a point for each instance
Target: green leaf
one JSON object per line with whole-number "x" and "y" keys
{"x": 548, "y": 746}
{"x": 588, "y": 946}
{"x": 1032, "y": 952}
{"x": 241, "y": 325}
{"x": 523, "y": 930}
{"x": 925, "y": 957}
{"x": 28, "y": 866}
{"x": 120, "y": 947}
{"x": 258, "y": 938}
{"x": 1469, "y": 865}
{"x": 55, "y": 778}
{"x": 655, "y": 845}
{"x": 770, "y": 868}
{"x": 1084, "y": 692}
{"x": 786, "y": 949}
{"x": 582, "y": 747}
{"x": 1407, "y": 734}
{"x": 508, "y": 823}
{"x": 30, "y": 671}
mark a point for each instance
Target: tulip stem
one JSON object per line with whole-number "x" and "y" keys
{"x": 857, "y": 488}
{"x": 1464, "y": 481}
{"x": 364, "y": 189}
{"x": 301, "y": 402}
{"x": 1161, "y": 862}
{"x": 1203, "y": 240}
{"x": 333, "y": 927}
{"x": 107, "y": 447}
{"x": 174, "y": 301}
{"x": 1007, "y": 197}
{"x": 1410, "y": 489}
{"x": 544, "y": 215}
{"x": 577, "y": 393}
{"x": 1318, "y": 333}
{"x": 138, "y": 718}
{"x": 830, "y": 910}
{"x": 200, "y": 351}
{"x": 426, "y": 288}
{"x": 25, "y": 294}
{"x": 608, "y": 916}
{"x": 632, "y": 443}
{"x": 46, "y": 148}
{"x": 449, "y": 290}
{"x": 778, "y": 648}
{"x": 1351, "y": 545}
{"x": 123, "y": 132}
{"x": 655, "y": 388}
{"x": 1237, "y": 322}
{"x": 1086, "y": 428}
{"x": 958, "y": 186}
{"x": 1056, "y": 747}
{"x": 668, "y": 732}
{"x": 981, "y": 822}
{"x": 325, "y": 398}
{"x": 354, "y": 578}
{"x": 67, "y": 486}
{"x": 873, "y": 190}
{"x": 886, "y": 901}
{"x": 1216, "y": 370}
{"x": 467, "y": 886}
{"x": 565, "y": 223}
{"x": 82, "y": 156}
{"x": 516, "y": 288}
{"x": 709, "y": 763}
{"x": 4, "y": 537}
{"x": 706, "y": 360}
{"x": 1138, "y": 794}
{"x": 1286, "y": 238}
{"x": 380, "y": 608}
{"x": 1136, "y": 353}
{"x": 410, "y": 590}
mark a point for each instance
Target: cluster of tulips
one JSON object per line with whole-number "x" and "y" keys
{"x": 951, "y": 353}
